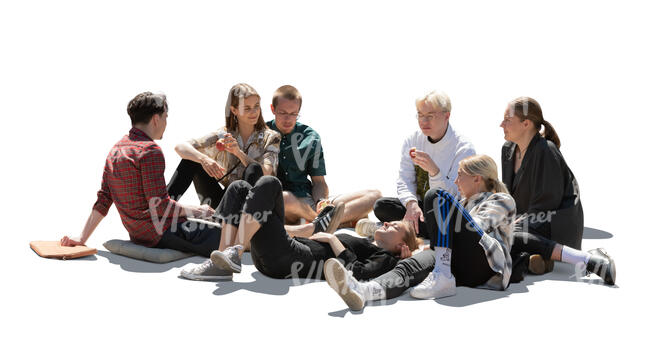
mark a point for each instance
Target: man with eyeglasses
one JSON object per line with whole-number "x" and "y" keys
{"x": 430, "y": 158}
{"x": 301, "y": 167}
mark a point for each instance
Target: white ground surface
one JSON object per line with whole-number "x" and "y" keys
{"x": 69, "y": 68}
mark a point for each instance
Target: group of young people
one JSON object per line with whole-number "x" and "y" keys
{"x": 257, "y": 180}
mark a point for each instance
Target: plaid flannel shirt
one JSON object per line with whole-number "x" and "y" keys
{"x": 134, "y": 180}
{"x": 495, "y": 214}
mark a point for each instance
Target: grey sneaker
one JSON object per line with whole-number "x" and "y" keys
{"x": 227, "y": 260}
{"x": 206, "y": 271}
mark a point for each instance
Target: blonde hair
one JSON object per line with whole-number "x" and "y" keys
{"x": 438, "y": 99}
{"x": 411, "y": 240}
{"x": 485, "y": 167}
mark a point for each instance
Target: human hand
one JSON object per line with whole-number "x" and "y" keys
{"x": 413, "y": 215}
{"x": 67, "y": 241}
{"x": 404, "y": 252}
{"x": 424, "y": 161}
{"x": 212, "y": 167}
{"x": 231, "y": 145}
{"x": 322, "y": 237}
{"x": 202, "y": 211}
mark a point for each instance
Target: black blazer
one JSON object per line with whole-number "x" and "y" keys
{"x": 545, "y": 184}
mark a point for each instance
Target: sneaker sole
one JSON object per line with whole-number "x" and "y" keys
{"x": 335, "y": 277}
{"x": 204, "y": 278}
{"x": 336, "y": 218}
{"x": 224, "y": 263}
{"x": 449, "y": 293}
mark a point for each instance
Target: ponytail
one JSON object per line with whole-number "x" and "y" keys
{"x": 526, "y": 108}
{"x": 494, "y": 186}
{"x": 550, "y": 134}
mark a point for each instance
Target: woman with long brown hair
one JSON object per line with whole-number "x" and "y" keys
{"x": 244, "y": 149}
{"x": 550, "y": 219}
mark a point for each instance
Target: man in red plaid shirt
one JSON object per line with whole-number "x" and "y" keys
{"x": 134, "y": 181}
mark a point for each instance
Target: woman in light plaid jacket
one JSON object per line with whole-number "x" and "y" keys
{"x": 471, "y": 239}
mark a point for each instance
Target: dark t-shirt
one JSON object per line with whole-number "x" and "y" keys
{"x": 301, "y": 155}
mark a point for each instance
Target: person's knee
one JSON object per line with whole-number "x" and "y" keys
{"x": 254, "y": 169}
{"x": 385, "y": 209}
{"x": 290, "y": 200}
{"x": 269, "y": 184}
{"x": 375, "y": 195}
{"x": 239, "y": 185}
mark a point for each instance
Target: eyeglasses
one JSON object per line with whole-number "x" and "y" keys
{"x": 288, "y": 115}
{"x": 427, "y": 117}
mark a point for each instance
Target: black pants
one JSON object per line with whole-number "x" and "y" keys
{"x": 407, "y": 273}
{"x": 388, "y": 209}
{"x": 531, "y": 243}
{"x": 191, "y": 237}
{"x": 274, "y": 252}
{"x": 207, "y": 188}
{"x": 451, "y": 226}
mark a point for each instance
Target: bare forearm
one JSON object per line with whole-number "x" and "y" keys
{"x": 267, "y": 169}
{"x": 337, "y": 246}
{"x": 320, "y": 191}
{"x": 186, "y": 151}
{"x": 92, "y": 223}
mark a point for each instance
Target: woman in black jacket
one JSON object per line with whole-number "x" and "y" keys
{"x": 550, "y": 219}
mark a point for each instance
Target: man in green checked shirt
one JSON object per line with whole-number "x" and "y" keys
{"x": 301, "y": 166}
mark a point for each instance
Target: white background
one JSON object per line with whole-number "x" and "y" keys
{"x": 68, "y": 70}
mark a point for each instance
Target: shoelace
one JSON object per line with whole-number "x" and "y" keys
{"x": 204, "y": 266}
{"x": 430, "y": 279}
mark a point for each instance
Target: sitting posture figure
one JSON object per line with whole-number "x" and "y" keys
{"x": 302, "y": 166}
{"x": 223, "y": 156}
{"x": 470, "y": 238}
{"x": 550, "y": 219}
{"x": 429, "y": 160}
{"x": 134, "y": 181}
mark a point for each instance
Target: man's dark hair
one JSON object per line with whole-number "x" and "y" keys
{"x": 145, "y": 105}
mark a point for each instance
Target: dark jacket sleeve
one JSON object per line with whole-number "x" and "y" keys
{"x": 374, "y": 266}
{"x": 548, "y": 185}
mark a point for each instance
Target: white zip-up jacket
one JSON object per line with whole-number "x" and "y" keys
{"x": 446, "y": 153}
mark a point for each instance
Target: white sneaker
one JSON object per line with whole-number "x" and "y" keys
{"x": 344, "y": 284}
{"x": 435, "y": 286}
{"x": 206, "y": 271}
{"x": 366, "y": 227}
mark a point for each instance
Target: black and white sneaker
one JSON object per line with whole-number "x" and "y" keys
{"x": 603, "y": 265}
{"x": 329, "y": 219}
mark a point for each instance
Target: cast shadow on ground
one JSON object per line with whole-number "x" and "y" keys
{"x": 591, "y": 233}
{"x": 466, "y": 296}
{"x": 133, "y": 265}
{"x": 262, "y": 284}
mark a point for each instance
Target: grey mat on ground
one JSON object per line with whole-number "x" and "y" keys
{"x": 139, "y": 252}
